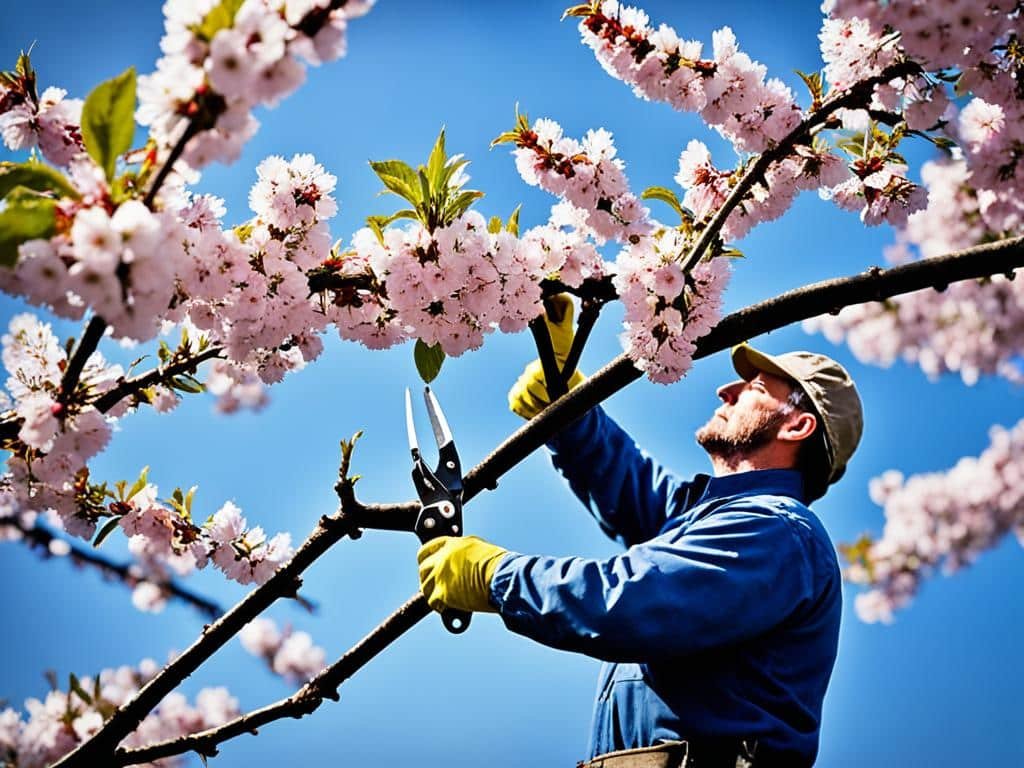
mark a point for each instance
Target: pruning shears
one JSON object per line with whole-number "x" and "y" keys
{"x": 439, "y": 490}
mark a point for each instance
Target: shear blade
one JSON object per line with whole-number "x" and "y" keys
{"x": 442, "y": 434}
{"x": 410, "y": 426}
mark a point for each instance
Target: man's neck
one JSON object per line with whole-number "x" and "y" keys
{"x": 731, "y": 464}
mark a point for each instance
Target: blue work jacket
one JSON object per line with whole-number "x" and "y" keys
{"x": 721, "y": 618}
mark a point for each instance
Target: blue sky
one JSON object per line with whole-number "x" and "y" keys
{"x": 939, "y": 687}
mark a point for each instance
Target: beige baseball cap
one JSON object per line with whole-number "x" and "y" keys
{"x": 829, "y": 387}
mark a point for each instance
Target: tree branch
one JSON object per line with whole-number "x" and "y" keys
{"x": 136, "y": 384}
{"x": 10, "y": 423}
{"x": 94, "y": 331}
{"x": 875, "y": 284}
{"x": 857, "y": 96}
{"x": 40, "y": 538}
{"x": 303, "y": 702}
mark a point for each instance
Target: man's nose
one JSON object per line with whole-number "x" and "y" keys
{"x": 729, "y": 392}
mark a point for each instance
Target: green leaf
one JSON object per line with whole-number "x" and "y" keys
{"x": 36, "y": 176}
{"x": 108, "y": 120}
{"x": 425, "y": 189}
{"x": 436, "y": 161}
{"x": 219, "y": 17}
{"x": 666, "y": 195}
{"x": 460, "y": 204}
{"x": 512, "y": 225}
{"x": 107, "y": 529}
{"x": 164, "y": 352}
{"x": 453, "y": 166}
{"x": 26, "y": 217}
{"x": 186, "y": 383}
{"x": 399, "y": 178}
{"x": 814, "y": 84}
{"x": 582, "y": 10}
{"x": 76, "y": 686}
{"x": 428, "y": 360}
{"x": 139, "y": 484}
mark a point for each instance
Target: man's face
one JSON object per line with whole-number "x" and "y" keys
{"x": 749, "y": 417}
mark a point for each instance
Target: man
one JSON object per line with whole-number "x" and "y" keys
{"x": 719, "y": 623}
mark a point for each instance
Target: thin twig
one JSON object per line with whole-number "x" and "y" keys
{"x": 858, "y": 95}
{"x": 810, "y": 301}
{"x": 39, "y": 537}
{"x": 11, "y": 423}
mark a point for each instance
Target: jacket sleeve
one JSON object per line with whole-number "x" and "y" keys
{"x": 730, "y": 576}
{"x": 625, "y": 490}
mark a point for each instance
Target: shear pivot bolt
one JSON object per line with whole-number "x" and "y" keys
{"x": 447, "y": 510}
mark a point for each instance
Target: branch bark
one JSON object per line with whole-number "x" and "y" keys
{"x": 303, "y": 702}
{"x": 875, "y": 284}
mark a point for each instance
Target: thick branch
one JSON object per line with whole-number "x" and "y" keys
{"x": 857, "y": 96}
{"x": 41, "y": 538}
{"x": 303, "y": 702}
{"x": 810, "y": 301}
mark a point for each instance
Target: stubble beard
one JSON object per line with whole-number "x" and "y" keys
{"x": 733, "y": 442}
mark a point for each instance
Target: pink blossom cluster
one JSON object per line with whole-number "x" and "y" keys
{"x": 56, "y": 440}
{"x": 974, "y": 40}
{"x": 706, "y": 187}
{"x": 667, "y": 310}
{"x": 972, "y": 327}
{"x": 242, "y": 553}
{"x": 959, "y": 34}
{"x": 55, "y": 725}
{"x": 990, "y": 130}
{"x": 118, "y": 260}
{"x": 587, "y": 175}
{"x": 288, "y": 653}
{"x": 940, "y": 519}
{"x": 455, "y": 285}
{"x": 162, "y": 539}
{"x": 247, "y": 289}
{"x": 217, "y": 80}
{"x": 729, "y": 90}
{"x": 49, "y": 473}
{"x": 48, "y": 121}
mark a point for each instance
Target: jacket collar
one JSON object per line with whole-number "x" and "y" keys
{"x": 776, "y": 482}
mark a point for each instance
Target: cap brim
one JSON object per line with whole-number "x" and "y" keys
{"x": 748, "y": 362}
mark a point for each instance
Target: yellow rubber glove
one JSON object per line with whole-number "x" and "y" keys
{"x": 529, "y": 395}
{"x": 456, "y": 572}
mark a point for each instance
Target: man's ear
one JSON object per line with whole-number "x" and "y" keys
{"x": 799, "y": 426}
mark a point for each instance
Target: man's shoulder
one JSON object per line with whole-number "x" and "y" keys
{"x": 771, "y": 511}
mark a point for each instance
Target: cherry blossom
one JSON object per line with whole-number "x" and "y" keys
{"x": 667, "y": 310}
{"x": 939, "y": 520}
{"x": 288, "y": 653}
{"x": 53, "y": 726}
